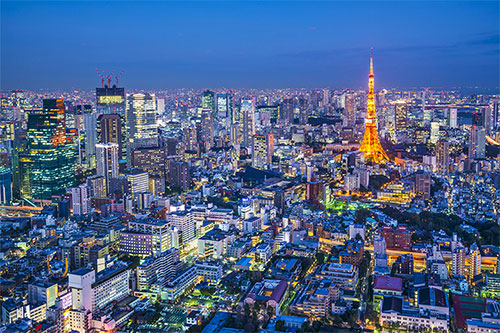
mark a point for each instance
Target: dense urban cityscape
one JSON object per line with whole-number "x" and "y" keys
{"x": 249, "y": 210}
{"x": 249, "y": 166}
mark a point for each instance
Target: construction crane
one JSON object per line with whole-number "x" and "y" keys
{"x": 56, "y": 274}
{"x": 109, "y": 77}
{"x": 101, "y": 76}
{"x": 117, "y": 77}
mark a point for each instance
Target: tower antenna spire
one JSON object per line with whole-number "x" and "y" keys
{"x": 371, "y": 60}
{"x": 370, "y": 145}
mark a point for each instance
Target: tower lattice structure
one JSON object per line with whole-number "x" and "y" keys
{"x": 370, "y": 145}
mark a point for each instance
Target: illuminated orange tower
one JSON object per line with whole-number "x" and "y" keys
{"x": 371, "y": 144}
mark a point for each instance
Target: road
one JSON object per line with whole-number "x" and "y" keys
{"x": 364, "y": 294}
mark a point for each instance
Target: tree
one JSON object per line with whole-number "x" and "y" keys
{"x": 280, "y": 326}
{"x": 316, "y": 326}
{"x": 246, "y": 309}
{"x": 320, "y": 257}
{"x": 270, "y": 311}
{"x": 361, "y": 215}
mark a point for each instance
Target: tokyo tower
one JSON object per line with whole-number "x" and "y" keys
{"x": 371, "y": 144}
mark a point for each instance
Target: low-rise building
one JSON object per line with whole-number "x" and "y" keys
{"x": 393, "y": 310}
{"x": 209, "y": 271}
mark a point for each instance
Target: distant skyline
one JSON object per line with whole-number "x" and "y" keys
{"x": 164, "y": 45}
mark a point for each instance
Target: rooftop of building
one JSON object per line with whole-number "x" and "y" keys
{"x": 388, "y": 283}
{"x": 467, "y": 307}
{"x": 432, "y": 297}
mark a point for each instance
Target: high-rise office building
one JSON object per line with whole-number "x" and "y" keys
{"x": 423, "y": 184}
{"x": 208, "y": 101}
{"x": 434, "y": 132}
{"x": 495, "y": 114}
{"x": 142, "y": 129}
{"x": 477, "y": 142}
{"x": 247, "y": 121}
{"x": 107, "y": 161}
{"x": 400, "y": 115}
{"x": 453, "y": 117}
{"x": 90, "y": 123}
{"x": 80, "y": 198}
{"x": 109, "y": 130}
{"x": 303, "y": 107}
{"x": 350, "y": 110}
{"x": 207, "y": 126}
{"x": 475, "y": 261}
{"x": 235, "y": 134}
{"x": 190, "y": 138}
{"x": 443, "y": 156}
{"x": 110, "y": 100}
{"x": 287, "y": 110}
{"x": 179, "y": 175}
{"x": 225, "y": 107}
{"x": 380, "y": 252}
{"x": 138, "y": 181}
{"x": 5, "y": 186}
{"x": 151, "y": 160}
{"x": 47, "y": 168}
{"x": 262, "y": 150}
{"x": 146, "y": 237}
{"x": 458, "y": 261}
{"x": 488, "y": 118}
{"x": 97, "y": 185}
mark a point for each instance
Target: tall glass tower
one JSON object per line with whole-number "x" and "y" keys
{"x": 48, "y": 166}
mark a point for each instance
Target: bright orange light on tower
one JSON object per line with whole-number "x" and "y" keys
{"x": 371, "y": 144}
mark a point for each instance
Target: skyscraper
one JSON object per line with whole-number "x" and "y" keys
{"x": 477, "y": 142}
{"x": 458, "y": 261}
{"x": 434, "y": 132}
{"x": 142, "y": 128}
{"x": 207, "y": 126}
{"x": 380, "y": 251}
{"x": 303, "y": 110}
{"x": 107, "y": 161}
{"x": 190, "y": 138}
{"x": 179, "y": 175}
{"x": 287, "y": 110}
{"x": 109, "y": 130}
{"x": 138, "y": 181}
{"x": 262, "y": 150}
{"x": 350, "y": 110}
{"x": 400, "y": 115}
{"x": 370, "y": 145}
{"x": 247, "y": 121}
{"x": 80, "y": 197}
{"x": 443, "y": 156}
{"x": 110, "y": 100}
{"x": 235, "y": 134}
{"x": 5, "y": 186}
{"x": 90, "y": 124}
{"x": 208, "y": 101}
{"x": 495, "y": 113}
{"x": 453, "y": 116}
{"x": 475, "y": 261}
{"x": 47, "y": 168}
{"x": 225, "y": 107}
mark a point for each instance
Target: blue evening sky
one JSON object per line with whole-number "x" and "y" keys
{"x": 162, "y": 44}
